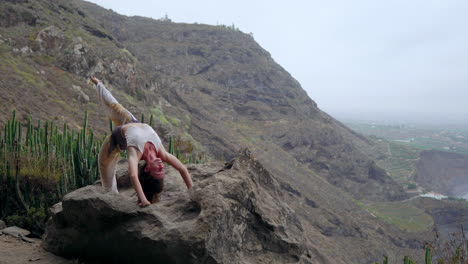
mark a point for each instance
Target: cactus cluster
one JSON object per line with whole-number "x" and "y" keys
{"x": 39, "y": 167}
{"x": 407, "y": 260}
{"x": 184, "y": 153}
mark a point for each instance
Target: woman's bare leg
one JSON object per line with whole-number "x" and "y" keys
{"x": 116, "y": 112}
{"x": 108, "y": 159}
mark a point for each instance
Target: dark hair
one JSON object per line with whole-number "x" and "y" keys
{"x": 150, "y": 185}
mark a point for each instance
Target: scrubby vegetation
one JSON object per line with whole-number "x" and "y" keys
{"x": 453, "y": 250}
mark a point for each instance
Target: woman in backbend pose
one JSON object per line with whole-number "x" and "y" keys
{"x": 141, "y": 143}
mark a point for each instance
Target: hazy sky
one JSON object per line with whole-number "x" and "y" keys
{"x": 398, "y": 59}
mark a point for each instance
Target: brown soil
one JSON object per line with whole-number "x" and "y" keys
{"x": 15, "y": 251}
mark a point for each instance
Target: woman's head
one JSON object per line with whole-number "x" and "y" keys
{"x": 155, "y": 167}
{"x": 154, "y": 164}
{"x": 151, "y": 187}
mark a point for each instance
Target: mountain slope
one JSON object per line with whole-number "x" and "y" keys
{"x": 210, "y": 83}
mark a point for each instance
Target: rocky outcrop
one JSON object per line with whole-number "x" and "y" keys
{"x": 233, "y": 214}
{"x": 449, "y": 215}
{"x": 443, "y": 172}
{"x": 50, "y": 39}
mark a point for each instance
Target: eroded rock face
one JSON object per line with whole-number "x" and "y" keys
{"x": 443, "y": 172}
{"x": 449, "y": 216}
{"x": 233, "y": 214}
{"x": 50, "y": 39}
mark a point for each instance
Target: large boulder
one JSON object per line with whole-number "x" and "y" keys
{"x": 234, "y": 214}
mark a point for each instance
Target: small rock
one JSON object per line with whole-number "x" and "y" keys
{"x": 56, "y": 208}
{"x": 27, "y": 240}
{"x": 84, "y": 98}
{"x": 2, "y": 225}
{"x": 78, "y": 49}
{"x": 25, "y": 50}
{"x": 15, "y": 231}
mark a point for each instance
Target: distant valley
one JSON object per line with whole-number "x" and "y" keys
{"x": 441, "y": 137}
{"x": 414, "y": 154}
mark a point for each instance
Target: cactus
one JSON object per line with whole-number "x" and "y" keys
{"x": 28, "y": 132}
{"x": 7, "y": 134}
{"x": 406, "y": 260}
{"x": 46, "y": 140}
{"x": 171, "y": 145}
{"x": 428, "y": 258}
{"x": 85, "y": 127}
{"x": 456, "y": 258}
{"x": 20, "y": 132}
{"x": 5, "y": 164}
{"x": 111, "y": 125}
{"x": 17, "y": 185}
{"x": 13, "y": 128}
{"x": 151, "y": 120}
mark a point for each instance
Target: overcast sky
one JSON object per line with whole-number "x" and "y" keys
{"x": 399, "y": 59}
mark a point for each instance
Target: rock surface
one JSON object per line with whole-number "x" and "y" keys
{"x": 234, "y": 214}
{"x": 15, "y": 231}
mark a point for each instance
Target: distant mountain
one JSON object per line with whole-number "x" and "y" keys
{"x": 213, "y": 86}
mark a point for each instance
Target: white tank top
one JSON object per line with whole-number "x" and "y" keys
{"x": 137, "y": 136}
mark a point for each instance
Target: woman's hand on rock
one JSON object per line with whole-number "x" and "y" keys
{"x": 144, "y": 203}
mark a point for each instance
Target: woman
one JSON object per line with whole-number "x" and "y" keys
{"x": 141, "y": 143}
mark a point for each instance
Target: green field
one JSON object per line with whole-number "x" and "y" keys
{"x": 403, "y": 215}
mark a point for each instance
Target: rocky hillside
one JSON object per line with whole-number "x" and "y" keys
{"x": 443, "y": 172}
{"x": 213, "y": 83}
{"x": 213, "y": 86}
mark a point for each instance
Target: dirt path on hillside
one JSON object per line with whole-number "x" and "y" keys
{"x": 15, "y": 251}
